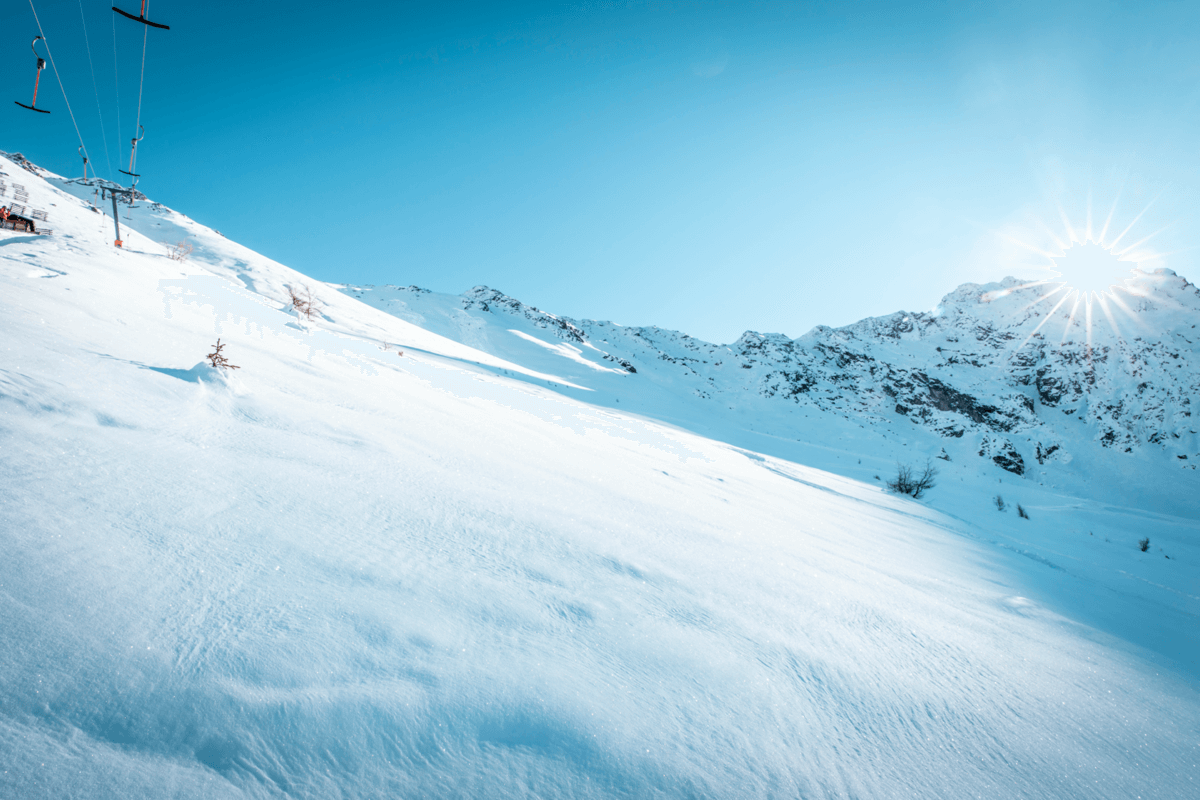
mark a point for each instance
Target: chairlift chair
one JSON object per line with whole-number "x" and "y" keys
{"x": 141, "y": 17}
{"x": 41, "y": 65}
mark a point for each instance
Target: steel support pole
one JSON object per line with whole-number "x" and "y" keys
{"x": 116, "y": 221}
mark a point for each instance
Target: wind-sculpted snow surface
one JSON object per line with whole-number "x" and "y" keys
{"x": 346, "y": 572}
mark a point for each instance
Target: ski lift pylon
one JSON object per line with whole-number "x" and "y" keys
{"x": 85, "y": 161}
{"x": 41, "y": 65}
{"x": 141, "y": 17}
{"x": 133, "y": 153}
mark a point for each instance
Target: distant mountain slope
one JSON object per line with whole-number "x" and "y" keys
{"x": 992, "y": 368}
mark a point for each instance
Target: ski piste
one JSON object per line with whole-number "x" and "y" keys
{"x": 417, "y": 548}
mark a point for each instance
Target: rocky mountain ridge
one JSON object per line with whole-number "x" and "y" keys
{"x": 1023, "y": 373}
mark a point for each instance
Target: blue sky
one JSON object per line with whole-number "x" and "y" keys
{"x": 708, "y": 167}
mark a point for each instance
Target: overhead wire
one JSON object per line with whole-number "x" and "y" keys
{"x": 141, "y": 83}
{"x": 95, "y": 89}
{"x": 56, "y": 75}
{"x": 117, "y": 87}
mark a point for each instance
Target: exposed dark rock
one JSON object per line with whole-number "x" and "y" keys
{"x": 1011, "y": 461}
{"x": 1044, "y": 452}
{"x": 624, "y": 364}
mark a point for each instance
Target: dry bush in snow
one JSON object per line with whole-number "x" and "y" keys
{"x": 908, "y": 481}
{"x": 178, "y": 251}
{"x": 303, "y": 302}
{"x": 217, "y": 360}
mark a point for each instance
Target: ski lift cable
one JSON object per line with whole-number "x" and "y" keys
{"x": 117, "y": 87}
{"x": 141, "y": 83}
{"x": 56, "y": 75}
{"x": 95, "y": 88}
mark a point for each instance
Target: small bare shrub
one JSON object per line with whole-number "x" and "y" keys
{"x": 908, "y": 481}
{"x": 303, "y": 302}
{"x": 1000, "y": 506}
{"x": 1021, "y": 512}
{"x": 1144, "y": 544}
{"x": 218, "y": 360}
{"x": 179, "y": 251}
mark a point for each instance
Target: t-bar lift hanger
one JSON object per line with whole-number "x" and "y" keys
{"x": 141, "y": 17}
{"x": 41, "y": 65}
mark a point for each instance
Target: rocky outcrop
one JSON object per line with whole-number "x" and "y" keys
{"x": 485, "y": 299}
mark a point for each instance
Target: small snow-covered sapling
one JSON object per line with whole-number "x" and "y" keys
{"x": 217, "y": 360}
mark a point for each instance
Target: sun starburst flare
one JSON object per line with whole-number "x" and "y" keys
{"x": 1091, "y": 277}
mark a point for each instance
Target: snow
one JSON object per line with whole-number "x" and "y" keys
{"x": 484, "y": 567}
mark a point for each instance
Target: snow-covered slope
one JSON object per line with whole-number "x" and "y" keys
{"x": 500, "y": 564}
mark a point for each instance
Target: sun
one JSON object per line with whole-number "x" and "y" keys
{"x": 1091, "y": 269}
{"x": 1092, "y": 280}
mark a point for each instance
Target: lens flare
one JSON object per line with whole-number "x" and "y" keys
{"x": 1091, "y": 269}
{"x": 1094, "y": 282}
